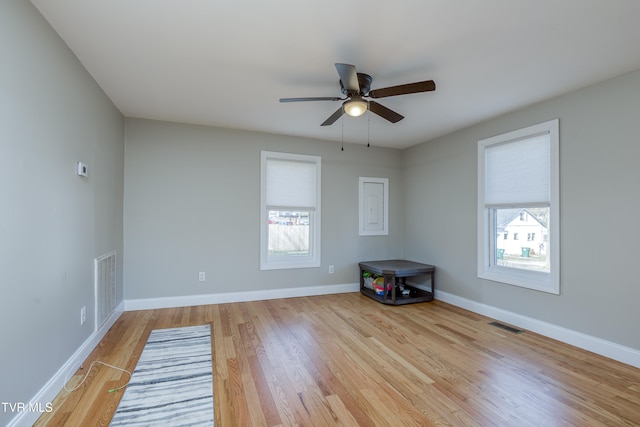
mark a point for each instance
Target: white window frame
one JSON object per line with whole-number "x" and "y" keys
{"x": 487, "y": 266}
{"x": 313, "y": 259}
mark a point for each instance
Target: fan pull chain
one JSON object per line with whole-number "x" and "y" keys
{"x": 342, "y": 120}
{"x": 368, "y": 127}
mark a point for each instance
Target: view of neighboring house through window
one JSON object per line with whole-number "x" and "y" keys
{"x": 530, "y": 254}
{"x": 518, "y": 207}
{"x": 290, "y": 211}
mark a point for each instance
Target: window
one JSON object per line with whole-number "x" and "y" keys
{"x": 289, "y": 211}
{"x": 518, "y": 193}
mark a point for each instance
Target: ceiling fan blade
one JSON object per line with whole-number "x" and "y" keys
{"x": 335, "y": 116}
{"x": 348, "y": 77}
{"x": 425, "y": 86}
{"x": 318, "y": 98}
{"x": 384, "y": 112}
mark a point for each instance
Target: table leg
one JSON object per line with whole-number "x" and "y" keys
{"x": 392, "y": 280}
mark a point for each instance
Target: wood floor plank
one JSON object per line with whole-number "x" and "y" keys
{"x": 346, "y": 360}
{"x": 343, "y": 415}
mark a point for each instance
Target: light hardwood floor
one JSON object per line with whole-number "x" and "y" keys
{"x": 350, "y": 361}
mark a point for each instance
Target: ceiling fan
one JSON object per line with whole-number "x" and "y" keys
{"x": 356, "y": 86}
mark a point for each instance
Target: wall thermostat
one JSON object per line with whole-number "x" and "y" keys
{"x": 82, "y": 169}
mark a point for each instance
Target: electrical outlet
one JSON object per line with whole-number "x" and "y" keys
{"x": 82, "y": 169}
{"x": 331, "y": 269}
{"x": 201, "y": 276}
{"x": 83, "y": 315}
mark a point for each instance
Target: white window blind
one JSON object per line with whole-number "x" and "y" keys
{"x": 291, "y": 183}
{"x": 517, "y": 172}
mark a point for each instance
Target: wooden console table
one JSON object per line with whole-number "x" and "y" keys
{"x": 395, "y": 272}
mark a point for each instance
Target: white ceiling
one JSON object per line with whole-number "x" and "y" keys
{"x": 226, "y": 63}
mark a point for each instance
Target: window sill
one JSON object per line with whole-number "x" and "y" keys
{"x": 536, "y": 281}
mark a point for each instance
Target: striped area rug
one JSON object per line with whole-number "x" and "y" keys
{"x": 172, "y": 383}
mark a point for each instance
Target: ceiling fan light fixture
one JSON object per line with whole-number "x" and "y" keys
{"x": 355, "y": 107}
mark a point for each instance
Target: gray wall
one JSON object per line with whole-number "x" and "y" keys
{"x": 191, "y": 203}
{"x": 52, "y": 222}
{"x": 600, "y": 202}
{"x": 192, "y": 200}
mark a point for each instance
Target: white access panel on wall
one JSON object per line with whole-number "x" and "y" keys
{"x": 374, "y": 206}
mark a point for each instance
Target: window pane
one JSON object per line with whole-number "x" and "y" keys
{"x": 289, "y": 233}
{"x": 530, "y": 253}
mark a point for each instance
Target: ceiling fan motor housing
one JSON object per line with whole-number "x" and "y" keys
{"x": 364, "y": 81}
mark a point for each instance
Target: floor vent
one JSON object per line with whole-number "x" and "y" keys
{"x": 105, "y": 287}
{"x": 507, "y": 327}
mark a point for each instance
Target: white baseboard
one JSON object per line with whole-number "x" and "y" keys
{"x": 51, "y": 389}
{"x": 191, "y": 300}
{"x": 614, "y": 351}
